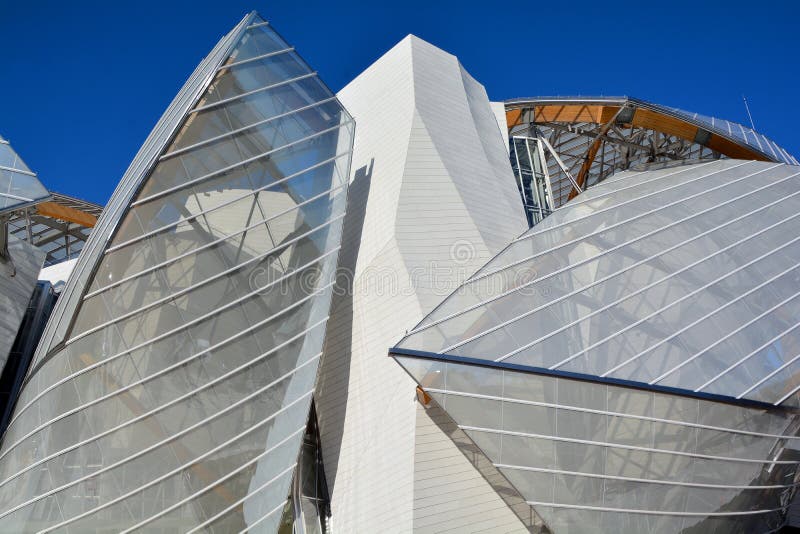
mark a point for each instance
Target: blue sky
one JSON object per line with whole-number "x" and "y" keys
{"x": 83, "y": 83}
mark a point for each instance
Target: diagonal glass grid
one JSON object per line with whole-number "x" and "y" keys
{"x": 189, "y": 364}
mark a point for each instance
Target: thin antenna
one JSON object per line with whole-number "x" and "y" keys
{"x": 752, "y": 125}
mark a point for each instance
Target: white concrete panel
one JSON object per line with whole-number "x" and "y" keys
{"x": 456, "y": 111}
{"x": 499, "y": 110}
{"x": 432, "y": 197}
{"x": 59, "y": 273}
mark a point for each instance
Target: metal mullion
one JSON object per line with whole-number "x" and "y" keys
{"x": 131, "y": 183}
{"x": 214, "y": 277}
{"x": 616, "y": 247}
{"x": 519, "y": 174}
{"x": 235, "y": 504}
{"x": 194, "y": 321}
{"x": 158, "y": 408}
{"x": 744, "y": 134}
{"x": 211, "y": 486}
{"x": 640, "y": 480}
{"x": 54, "y": 237}
{"x": 248, "y": 93}
{"x": 652, "y": 512}
{"x": 792, "y": 392}
{"x": 257, "y": 25}
{"x": 763, "y": 346}
{"x": 39, "y": 234}
{"x": 249, "y": 528}
{"x": 688, "y": 295}
{"x": 18, "y": 171}
{"x": 628, "y": 447}
{"x": 649, "y": 286}
{"x": 535, "y": 232}
{"x": 546, "y": 171}
{"x": 757, "y": 137}
{"x": 255, "y": 58}
{"x": 166, "y": 475}
{"x": 16, "y": 197}
{"x": 727, "y": 336}
{"x": 647, "y": 195}
{"x": 561, "y": 164}
{"x": 629, "y": 175}
{"x": 235, "y": 165}
{"x": 594, "y": 411}
{"x": 60, "y": 247}
{"x": 165, "y": 335}
{"x": 236, "y": 131}
{"x": 773, "y": 373}
{"x": 212, "y": 243}
{"x": 223, "y": 204}
{"x": 534, "y": 181}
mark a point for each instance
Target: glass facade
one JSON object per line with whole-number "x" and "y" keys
{"x": 61, "y": 239}
{"x": 19, "y": 186}
{"x": 533, "y": 179}
{"x": 683, "y": 277}
{"x": 179, "y": 397}
{"x": 589, "y": 139}
{"x": 605, "y": 458}
{"x": 630, "y": 363}
{"x": 738, "y": 132}
{"x": 733, "y": 131}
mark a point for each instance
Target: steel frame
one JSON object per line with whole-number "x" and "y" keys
{"x": 62, "y": 240}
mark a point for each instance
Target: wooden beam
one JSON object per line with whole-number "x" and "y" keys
{"x": 591, "y": 153}
{"x": 733, "y": 150}
{"x": 598, "y": 114}
{"x": 64, "y": 213}
{"x": 423, "y": 397}
{"x": 513, "y": 117}
{"x": 642, "y": 118}
{"x": 652, "y": 120}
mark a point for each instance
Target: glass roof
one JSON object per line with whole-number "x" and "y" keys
{"x": 732, "y": 130}
{"x": 683, "y": 277}
{"x": 19, "y": 186}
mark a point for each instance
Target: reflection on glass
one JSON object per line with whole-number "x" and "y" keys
{"x": 181, "y": 397}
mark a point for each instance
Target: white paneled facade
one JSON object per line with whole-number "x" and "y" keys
{"x": 432, "y": 197}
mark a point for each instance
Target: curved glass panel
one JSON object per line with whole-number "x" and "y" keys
{"x": 182, "y": 390}
{"x": 606, "y": 458}
{"x": 19, "y": 186}
{"x": 684, "y": 278}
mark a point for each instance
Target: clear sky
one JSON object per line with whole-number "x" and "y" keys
{"x": 82, "y": 83}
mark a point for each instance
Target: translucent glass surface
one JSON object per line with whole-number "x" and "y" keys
{"x": 180, "y": 396}
{"x": 19, "y": 186}
{"x": 733, "y": 131}
{"x": 740, "y": 132}
{"x": 682, "y": 277}
{"x": 607, "y": 456}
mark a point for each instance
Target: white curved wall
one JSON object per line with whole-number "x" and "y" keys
{"x": 432, "y": 197}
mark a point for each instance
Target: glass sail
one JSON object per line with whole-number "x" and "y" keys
{"x": 173, "y": 387}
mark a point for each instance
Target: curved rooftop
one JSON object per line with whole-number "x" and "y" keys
{"x": 726, "y": 137}
{"x": 678, "y": 279}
